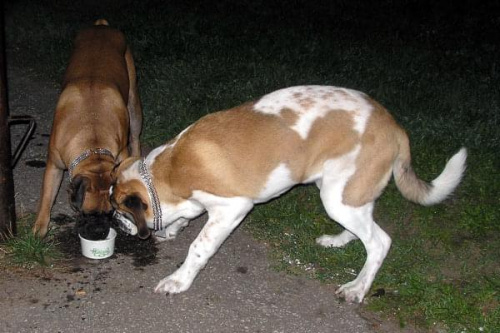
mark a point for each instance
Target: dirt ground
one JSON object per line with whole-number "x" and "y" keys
{"x": 236, "y": 292}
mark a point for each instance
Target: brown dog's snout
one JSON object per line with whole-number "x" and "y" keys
{"x": 94, "y": 226}
{"x": 105, "y": 201}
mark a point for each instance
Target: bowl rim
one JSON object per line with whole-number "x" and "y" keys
{"x": 111, "y": 236}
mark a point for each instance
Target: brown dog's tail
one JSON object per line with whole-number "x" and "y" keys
{"x": 101, "y": 22}
{"x": 419, "y": 191}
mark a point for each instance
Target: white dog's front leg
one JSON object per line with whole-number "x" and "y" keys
{"x": 224, "y": 215}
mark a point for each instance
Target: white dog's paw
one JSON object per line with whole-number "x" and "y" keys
{"x": 161, "y": 239}
{"x": 339, "y": 240}
{"x": 330, "y": 241}
{"x": 164, "y": 235}
{"x": 171, "y": 235}
{"x": 172, "y": 285}
{"x": 171, "y": 232}
{"x": 352, "y": 292}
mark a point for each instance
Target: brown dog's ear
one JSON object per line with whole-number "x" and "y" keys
{"x": 138, "y": 207}
{"x": 78, "y": 188}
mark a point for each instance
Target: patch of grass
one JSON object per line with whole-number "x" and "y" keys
{"x": 27, "y": 251}
{"x": 434, "y": 65}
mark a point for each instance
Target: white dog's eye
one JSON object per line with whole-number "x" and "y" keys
{"x": 134, "y": 203}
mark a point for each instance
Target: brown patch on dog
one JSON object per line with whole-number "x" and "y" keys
{"x": 165, "y": 190}
{"x": 227, "y": 153}
{"x": 330, "y": 137}
{"x": 379, "y": 148}
{"x": 289, "y": 116}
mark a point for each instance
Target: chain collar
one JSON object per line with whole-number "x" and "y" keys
{"x": 85, "y": 155}
{"x": 153, "y": 196}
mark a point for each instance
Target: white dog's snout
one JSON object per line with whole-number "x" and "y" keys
{"x": 125, "y": 224}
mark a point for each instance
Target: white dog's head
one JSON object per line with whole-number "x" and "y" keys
{"x": 129, "y": 196}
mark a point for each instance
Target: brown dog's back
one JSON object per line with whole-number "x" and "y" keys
{"x": 99, "y": 57}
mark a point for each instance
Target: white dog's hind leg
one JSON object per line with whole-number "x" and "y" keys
{"x": 334, "y": 240}
{"x": 377, "y": 243}
{"x": 224, "y": 215}
{"x": 359, "y": 222}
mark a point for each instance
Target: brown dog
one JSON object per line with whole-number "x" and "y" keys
{"x": 98, "y": 118}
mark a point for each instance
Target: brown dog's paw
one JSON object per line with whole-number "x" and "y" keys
{"x": 39, "y": 231}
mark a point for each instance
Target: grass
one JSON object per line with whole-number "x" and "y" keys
{"x": 433, "y": 64}
{"x": 27, "y": 251}
{"x": 442, "y": 268}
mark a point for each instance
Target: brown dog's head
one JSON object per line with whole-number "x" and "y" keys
{"x": 89, "y": 195}
{"x": 129, "y": 196}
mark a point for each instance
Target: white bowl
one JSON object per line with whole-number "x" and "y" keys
{"x": 99, "y": 249}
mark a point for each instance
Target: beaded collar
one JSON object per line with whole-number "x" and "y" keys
{"x": 85, "y": 155}
{"x": 153, "y": 196}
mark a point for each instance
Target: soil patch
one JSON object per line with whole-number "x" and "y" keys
{"x": 143, "y": 252}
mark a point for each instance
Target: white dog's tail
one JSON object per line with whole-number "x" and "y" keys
{"x": 101, "y": 22}
{"x": 419, "y": 191}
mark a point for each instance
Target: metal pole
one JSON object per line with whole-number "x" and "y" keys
{"x": 7, "y": 203}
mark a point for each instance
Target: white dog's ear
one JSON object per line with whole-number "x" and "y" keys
{"x": 137, "y": 208}
{"x": 114, "y": 173}
{"x": 78, "y": 188}
{"x": 122, "y": 165}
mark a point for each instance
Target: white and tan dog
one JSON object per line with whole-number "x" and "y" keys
{"x": 225, "y": 163}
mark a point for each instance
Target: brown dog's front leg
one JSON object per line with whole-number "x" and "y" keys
{"x": 51, "y": 182}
